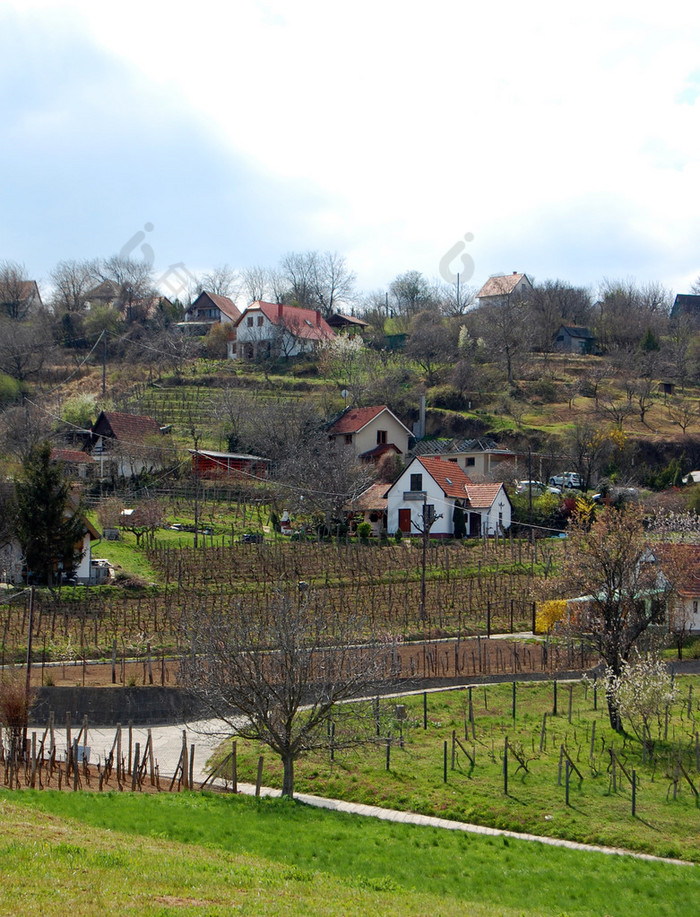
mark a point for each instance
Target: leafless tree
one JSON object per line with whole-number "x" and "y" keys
{"x": 148, "y": 516}
{"x": 682, "y": 412}
{"x": 255, "y": 283}
{"x": 135, "y": 282}
{"x": 410, "y": 293}
{"x": 320, "y": 478}
{"x": 279, "y": 673}
{"x": 431, "y": 342}
{"x": 506, "y": 331}
{"x": 15, "y": 297}
{"x": 72, "y": 280}
{"x": 610, "y": 564}
{"x": 24, "y": 347}
{"x": 222, "y": 280}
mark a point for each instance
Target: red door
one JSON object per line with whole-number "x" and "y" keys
{"x": 405, "y": 521}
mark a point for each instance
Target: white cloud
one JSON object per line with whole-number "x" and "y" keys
{"x": 411, "y": 127}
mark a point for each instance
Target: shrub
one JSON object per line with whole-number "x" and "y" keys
{"x": 364, "y": 530}
{"x": 548, "y": 614}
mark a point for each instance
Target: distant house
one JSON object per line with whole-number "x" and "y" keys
{"x": 457, "y": 504}
{"x": 686, "y": 304}
{"x": 276, "y": 330}
{"x": 125, "y": 444}
{"x": 685, "y": 616}
{"x": 19, "y": 298}
{"x": 480, "y": 457}
{"x": 347, "y": 324}
{"x": 574, "y": 339}
{"x": 207, "y": 464}
{"x": 502, "y": 287}
{"x": 211, "y": 308}
{"x": 370, "y": 432}
{"x": 77, "y": 464}
{"x": 371, "y": 506}
{"x": 12, "y": 559}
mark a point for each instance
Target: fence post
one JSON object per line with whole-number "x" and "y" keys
{"x": 634, "y": 793}
{"x": 444, "y": 761}
{"x": 258, "y": 781}
{"x": 425, "y": 709}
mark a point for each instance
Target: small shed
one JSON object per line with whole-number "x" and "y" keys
{"x": 214, "y": 465}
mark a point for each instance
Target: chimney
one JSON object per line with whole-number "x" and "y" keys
{"x": 318, "y": 319}
{"x": 279, "y": 310}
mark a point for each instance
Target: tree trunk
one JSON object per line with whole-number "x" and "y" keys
{"x": 288, "y": 779}
{"x": 614, "y": 714}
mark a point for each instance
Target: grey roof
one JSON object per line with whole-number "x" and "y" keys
{"x": 443, "y": 446}
{"x": 578, "y": 331}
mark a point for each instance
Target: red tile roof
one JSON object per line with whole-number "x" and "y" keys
{"x": 354, "y": 419}
{"x": 131, "y": 428}
{"x": 500, "y": 286}
{"x": 448, "y": 475}
{"x": 302, "y": 323}
{"x": 687, "y": 556}
{"x": 481, "y": 496}
{"x": 71, "y": 456}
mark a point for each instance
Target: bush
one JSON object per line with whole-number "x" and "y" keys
{"x": 446, "y": 396}
{"x": 364, "y": 530}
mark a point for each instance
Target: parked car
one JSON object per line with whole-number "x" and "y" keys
{"x": 537, "y": 487}
{"x": 567, "y": 479}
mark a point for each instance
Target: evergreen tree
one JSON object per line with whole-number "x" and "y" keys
{"x": 48, "y": 527}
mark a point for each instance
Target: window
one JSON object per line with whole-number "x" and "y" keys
{"x": 381, "y": 437}
{"x": 260, "y": 321}
{"x": 471, "y": 461}
{"x": 416, "y": 482}
{"x": 250, "y": 321}
{"x": 348, "y": 439}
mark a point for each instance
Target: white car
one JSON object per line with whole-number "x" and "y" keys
{"x": 568, "y": 479}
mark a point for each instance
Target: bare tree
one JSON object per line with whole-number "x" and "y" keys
{"x": 24, "y": 347}
{"x": 431, "y": 343}
{"x": 72, "y": 281}
{"x": 16, "y": 299}
{"x": 255, "y": 283}
{"x": 506, "y": 332}
{"x": 148, "y": 516}
{"x": 410, "y": 293}
{"x": 320, "y": 479}
{"x": 682, "y": 412}
{"x": 610, "y": 567}
{"x": 135, "y": 282}
{"x": 279, "y": 673}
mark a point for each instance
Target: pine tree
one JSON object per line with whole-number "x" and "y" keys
{"x": 48, "y": 527}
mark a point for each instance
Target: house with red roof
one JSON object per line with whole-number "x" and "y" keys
{"x": 274, "y": 330}
{"x": 126, "y": 445}
{"x": 459, "y": 507}
{"x": 370, "y": 432}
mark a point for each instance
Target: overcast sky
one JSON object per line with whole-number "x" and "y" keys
{"x": 561, "y": 140}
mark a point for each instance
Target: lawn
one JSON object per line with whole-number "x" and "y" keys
{"x": 666, "y": 821}
{"x": 206, "y": 854}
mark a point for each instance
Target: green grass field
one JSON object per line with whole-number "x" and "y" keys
{"x": 536, "y": 800}
{"x": 208, "y": 855}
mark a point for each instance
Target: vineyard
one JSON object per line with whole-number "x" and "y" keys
{"x": 472, "y": 590}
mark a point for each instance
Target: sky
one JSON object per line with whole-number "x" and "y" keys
{"x": 560, "y": 140}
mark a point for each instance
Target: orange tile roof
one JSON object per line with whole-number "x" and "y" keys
{"x": 500, "y": 286}
{"x": 481, "y": 496}
{"x": 71, "y": 455}
{"x": 448, "y": 475}
{"x": 354, "y": 419}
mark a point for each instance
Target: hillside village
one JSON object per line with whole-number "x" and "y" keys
{"x": 531, "y": 395}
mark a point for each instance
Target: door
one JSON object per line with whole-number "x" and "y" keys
{"x": 405, "y": 521}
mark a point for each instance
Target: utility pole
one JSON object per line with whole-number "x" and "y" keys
{"x": 104, "y": 363}
{"x": 27, "y": 684}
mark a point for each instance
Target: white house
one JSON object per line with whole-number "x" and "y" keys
{"x": 370, "y": 432}
{"x": 273, "y": 329}
{"x": 457, "y": 503}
